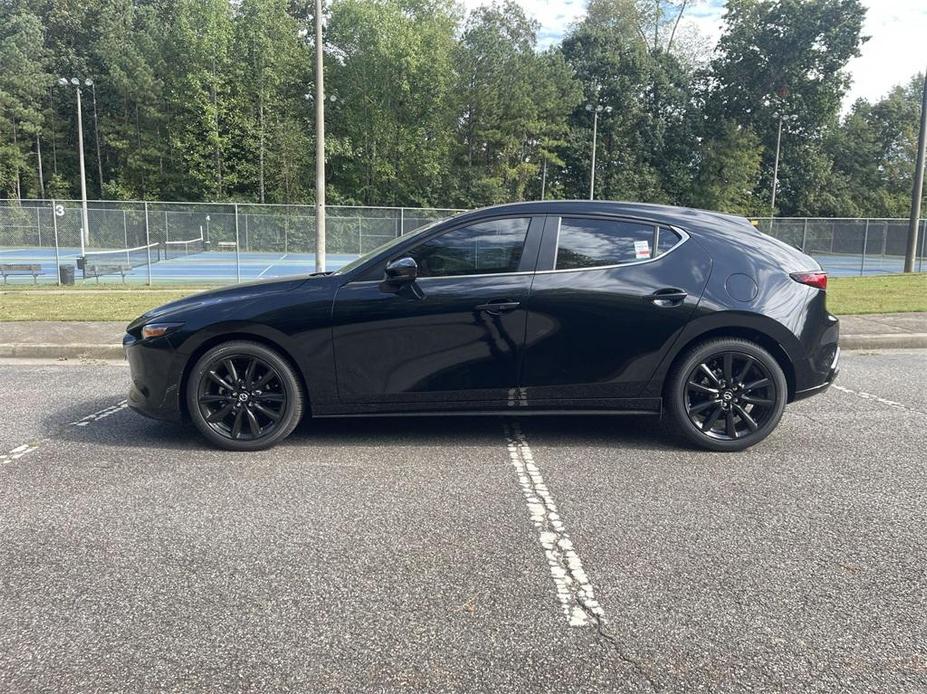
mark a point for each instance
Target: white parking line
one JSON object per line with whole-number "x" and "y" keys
{"x": 573, "y": 587}
{"x": 869, "y": 396}
{"x": 26, "y": 448}
{"x": 18, "y": 452}
{"x": 102, "y": 414}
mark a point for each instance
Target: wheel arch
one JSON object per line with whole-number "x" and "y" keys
{"x": 249, "y": 336}
{"x": 758, "y": 329}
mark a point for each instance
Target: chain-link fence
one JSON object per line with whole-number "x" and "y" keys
{"x": 189, "y": 243}
{"x": 212, "y": 243}
{"x": 849, "y": 246}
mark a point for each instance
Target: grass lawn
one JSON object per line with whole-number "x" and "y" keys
{"x": 84, "y": 304}
{"x": 845, "y": 296}
{"x": 877, "y": 294}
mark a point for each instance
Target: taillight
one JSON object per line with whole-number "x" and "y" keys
{"x": 818, "y": 280}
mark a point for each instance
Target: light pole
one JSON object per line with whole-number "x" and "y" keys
{"x": 595, "y": 109}
{"x": 96, "y": 134}
{"x": 782, "y": 93}
{"x": 319, "y": 143}
{"x": 319, "y": 138}
{"x": 85, "y": 225}
{"x": 918, "y": 188}
{"x": 775, "y": 183}
{"x": 544, "y": 178}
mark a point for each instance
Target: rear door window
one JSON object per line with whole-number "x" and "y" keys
{"x": 585, "y": 242}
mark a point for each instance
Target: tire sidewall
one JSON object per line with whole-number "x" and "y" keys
{"x": 677, "y": 393}
{"x": 293, "y": 391}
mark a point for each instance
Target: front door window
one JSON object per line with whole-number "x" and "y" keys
{"x": 478, "y": 249}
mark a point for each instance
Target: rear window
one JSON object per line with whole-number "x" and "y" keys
{"x": 586, "y": 242}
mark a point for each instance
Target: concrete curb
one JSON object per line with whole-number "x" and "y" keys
{"x": 884, "y": 341}
{"x": 38, "y": 350}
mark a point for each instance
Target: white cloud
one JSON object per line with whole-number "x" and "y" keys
{"x": 895, "y": 51}
{"x": 554, "y": 16}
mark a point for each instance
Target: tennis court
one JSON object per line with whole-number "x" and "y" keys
{"x": 186, "y": 243}
{"x": 212, "y": 243}
{"x": 226, "y": 266}
{"x": 212, "y": 267}
{"x": 838, "y": 265}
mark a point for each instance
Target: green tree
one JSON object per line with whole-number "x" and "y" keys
{"x": 270, "y": 63}
{"x": 200, "y": 117}
{"x": 512, "y": 105}
{"x": 22, "y": 84}
{"x": 786, "y": 57}
{"x": 874, "y": 151}
{"x": 390, "y": 128}
{"x": 728, "y": 171}
{"x": 131, "y": 97}
{"x": 645, "y": 147}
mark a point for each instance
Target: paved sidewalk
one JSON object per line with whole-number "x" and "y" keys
{"x": 883, "y": 330}
{"x": 62, "y": 339}
{"x": 102, "y": 340}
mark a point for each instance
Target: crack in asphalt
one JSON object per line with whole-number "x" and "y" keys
{"x": 611, "y": 641}
{"x": 574, "y": 589}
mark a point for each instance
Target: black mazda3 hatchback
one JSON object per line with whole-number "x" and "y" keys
{"x": 558, "y": 307}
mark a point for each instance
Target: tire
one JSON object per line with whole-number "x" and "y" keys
{"x": 243, "y": 396}
{"x": 725, "y": 394}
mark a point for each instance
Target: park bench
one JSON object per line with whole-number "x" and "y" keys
{"x": 7, "y": 269}
{"x": 226, "y": 246}
{"x": 99, "y": 269}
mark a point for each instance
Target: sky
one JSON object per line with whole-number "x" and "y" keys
{"x": 896, "y": 50}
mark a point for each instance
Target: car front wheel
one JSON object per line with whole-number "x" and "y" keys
{"x": 243, "y": 396}
{"x": 726, "y": 394}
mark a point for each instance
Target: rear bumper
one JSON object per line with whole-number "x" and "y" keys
{"x": 832, "y": 374}
{"x": 155, "y": 378}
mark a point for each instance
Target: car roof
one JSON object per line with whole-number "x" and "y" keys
{"x": 685, "y": 217}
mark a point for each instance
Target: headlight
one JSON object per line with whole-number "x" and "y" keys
{"x": 158, "y": 329}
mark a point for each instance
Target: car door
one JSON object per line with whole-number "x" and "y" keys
{"x": 453, "y": 337}
{"x": 609, "y": 297}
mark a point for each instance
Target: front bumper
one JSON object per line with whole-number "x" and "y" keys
{"x": 155, "y": 378}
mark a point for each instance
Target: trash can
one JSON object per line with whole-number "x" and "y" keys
{"x": 66, "y": 274}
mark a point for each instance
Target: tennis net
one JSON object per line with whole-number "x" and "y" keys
{"x": 179, "y": 249}
{"x": 129, "y": 257}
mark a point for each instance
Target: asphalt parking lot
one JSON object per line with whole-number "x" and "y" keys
{"x": 396, "y": 554}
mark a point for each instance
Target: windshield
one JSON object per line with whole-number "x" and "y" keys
{"x": 357, "y": 262}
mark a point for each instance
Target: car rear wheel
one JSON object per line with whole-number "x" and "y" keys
{"x": 243, "y": 396}
{"x": 726, "y": 394}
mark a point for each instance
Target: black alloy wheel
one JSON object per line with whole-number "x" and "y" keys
{"x": 244, "y": 396}
{"x": 727, "y": 394}
{"x": 241, "y": 397}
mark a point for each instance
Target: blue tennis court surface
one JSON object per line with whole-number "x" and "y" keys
{"x": 226, "y": 266}
{"x": 211, "y": 267}
{"x": 854, "y": 265}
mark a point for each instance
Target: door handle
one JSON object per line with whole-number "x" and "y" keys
{"x": 498, "y": 307}
{"x": 667, "y": 297}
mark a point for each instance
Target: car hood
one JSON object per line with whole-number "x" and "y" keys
{"x": 216, "y": 297}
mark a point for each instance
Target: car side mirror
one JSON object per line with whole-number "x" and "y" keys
{"x": 401, "y": 271}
